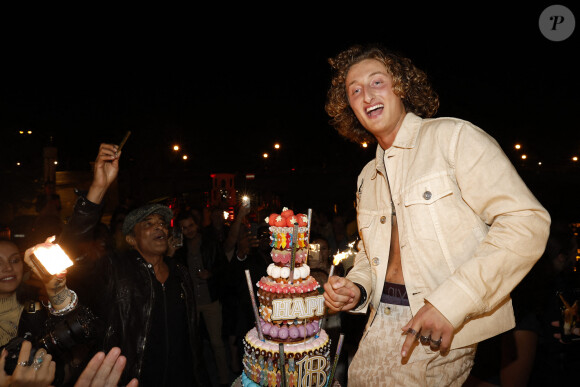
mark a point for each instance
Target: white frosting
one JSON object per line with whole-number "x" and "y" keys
{"x": 284, "y": 272}
{"x": 296, "y": 273}
{"x": 274, "y": 271}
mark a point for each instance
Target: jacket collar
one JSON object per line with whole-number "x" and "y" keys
{"x": 406, "y": 139}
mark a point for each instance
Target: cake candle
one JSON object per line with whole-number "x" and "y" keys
{"x": 293, "y": 258}
{"x": 254, "y": 306}
{"x": 309, "y": 220}
{"x": 281, "y": 362}
{"x": 335, "y": 363}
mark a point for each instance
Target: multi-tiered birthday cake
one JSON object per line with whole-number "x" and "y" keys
{"x": 290, "y": 309}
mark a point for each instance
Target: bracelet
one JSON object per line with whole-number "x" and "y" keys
{"x": 363, "y": 296}
{"x": 69, "y": 308}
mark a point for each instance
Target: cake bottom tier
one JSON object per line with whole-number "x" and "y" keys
{"x": 305, "y": 364}
{"x": 244, "y": 381}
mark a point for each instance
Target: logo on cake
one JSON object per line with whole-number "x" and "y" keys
{"x": 297, "y": 308}
{"x": 311, "y": 371}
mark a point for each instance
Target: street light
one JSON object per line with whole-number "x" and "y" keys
{"x": 176, "y": 147}
{"x": 277, "y": 146}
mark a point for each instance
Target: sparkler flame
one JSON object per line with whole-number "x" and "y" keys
{"x": 338, "y": 257}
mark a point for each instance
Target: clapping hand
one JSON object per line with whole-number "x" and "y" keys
{"x": 105, "y": 371}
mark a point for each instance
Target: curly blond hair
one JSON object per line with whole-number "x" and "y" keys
{"x": 409, "y": 83}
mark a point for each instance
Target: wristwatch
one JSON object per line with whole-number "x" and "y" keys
{"x": 363, "y": 296}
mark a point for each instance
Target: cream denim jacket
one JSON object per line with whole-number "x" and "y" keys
{"x": 469, "y": 228}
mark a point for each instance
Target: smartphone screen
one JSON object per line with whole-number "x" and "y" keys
{"x": 52, "y": 258}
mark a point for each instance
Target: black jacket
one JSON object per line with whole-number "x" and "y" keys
{"x": 120, "y": 290}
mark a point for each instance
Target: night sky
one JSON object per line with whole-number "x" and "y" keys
{"x": 226, "y": 87}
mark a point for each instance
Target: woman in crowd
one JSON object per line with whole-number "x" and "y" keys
{"x": 21, "y": 315}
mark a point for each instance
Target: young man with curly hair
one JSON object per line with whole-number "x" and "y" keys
{"x": 448, "y": 227}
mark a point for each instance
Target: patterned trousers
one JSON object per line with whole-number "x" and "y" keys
{"x": 378, "y": 361}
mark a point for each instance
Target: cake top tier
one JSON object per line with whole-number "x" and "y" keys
{"x": 287, "y": 218}
{"x": 283, "y": 237}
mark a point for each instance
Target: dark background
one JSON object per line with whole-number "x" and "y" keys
{"x": 227, "y": 83}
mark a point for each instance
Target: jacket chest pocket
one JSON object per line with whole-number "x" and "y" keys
{"x": 370, "y": 230}
{"x": 429, "y": 204}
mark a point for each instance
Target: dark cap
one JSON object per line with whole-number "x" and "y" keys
{"x": 141, "y": 213}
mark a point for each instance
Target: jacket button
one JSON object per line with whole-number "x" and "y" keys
{"x": 383, "y": 219}
{"x": 427, "y": 195}
{"x": 375, "y": 261}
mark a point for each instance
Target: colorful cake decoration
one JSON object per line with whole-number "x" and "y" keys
{"x": 287, "y": 347}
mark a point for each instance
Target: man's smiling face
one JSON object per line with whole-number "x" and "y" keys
{"x": 369, "y": 87}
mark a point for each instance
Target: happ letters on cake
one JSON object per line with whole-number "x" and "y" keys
{"x": 291, "y": 308}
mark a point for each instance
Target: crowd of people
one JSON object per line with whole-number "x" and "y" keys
{"x": 216, "y": 252}
{"x": 444, "y": 232}
{"x": 130, "y": 272}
